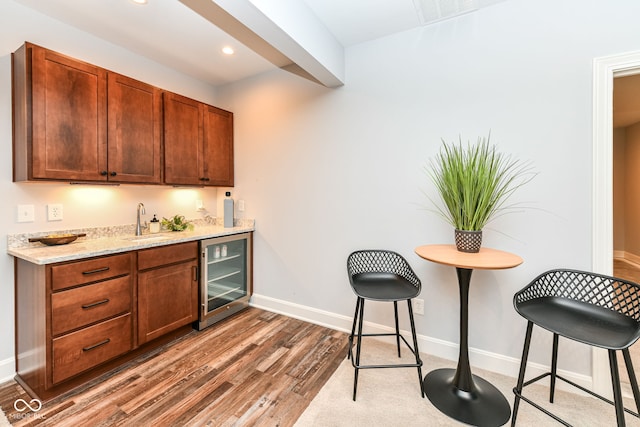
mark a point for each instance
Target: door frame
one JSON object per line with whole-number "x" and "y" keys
{"x": 605, "y": 69}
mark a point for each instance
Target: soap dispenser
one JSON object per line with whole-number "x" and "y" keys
{"x": 154, "y": 225}
{"x": 228, "y": 210}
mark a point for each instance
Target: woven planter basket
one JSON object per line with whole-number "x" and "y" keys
{"x": 468, "y": 241}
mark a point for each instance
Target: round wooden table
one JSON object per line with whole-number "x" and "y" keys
{"x": 458, "y": 393}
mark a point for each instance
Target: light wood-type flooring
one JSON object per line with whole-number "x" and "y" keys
{"x": 255, "y": 368}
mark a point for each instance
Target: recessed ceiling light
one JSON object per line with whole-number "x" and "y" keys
{"x": 227, "y": 50}
{"x": 139, "y": 1}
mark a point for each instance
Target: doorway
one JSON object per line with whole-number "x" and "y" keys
{"x": 626, "y": 191}
{"x": 604, "y": 71}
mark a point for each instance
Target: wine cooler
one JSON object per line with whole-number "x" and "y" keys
{"x": 225, "y": 278}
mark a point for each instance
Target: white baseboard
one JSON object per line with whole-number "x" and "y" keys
{"x": 481, "y": 359}
{"x": 627, "y": 256}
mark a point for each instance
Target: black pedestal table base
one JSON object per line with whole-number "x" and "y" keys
{"x": 483, "y": 405}
{"x": 459, "y": 394}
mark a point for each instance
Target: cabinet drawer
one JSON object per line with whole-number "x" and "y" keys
{"x": 88, "y": 304}
{"x": 81, "y": 272}
{"x": 81, "y": 350}
{"x": 166, "y": 255}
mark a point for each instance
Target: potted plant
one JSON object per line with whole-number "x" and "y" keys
{"x": 474, "y": 183}
{"x": 176, "y": 223}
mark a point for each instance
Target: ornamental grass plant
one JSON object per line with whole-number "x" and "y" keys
{"x": 475, "y": 181}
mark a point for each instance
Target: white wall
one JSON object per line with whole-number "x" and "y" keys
{"x": 325, "y": 172}
{"x": 619, "y": 190}
{"x": 631, "y": 199}
{"x": 84, "y": 206}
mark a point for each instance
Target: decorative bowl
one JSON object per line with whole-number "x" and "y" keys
{"x": 56, "y": 239}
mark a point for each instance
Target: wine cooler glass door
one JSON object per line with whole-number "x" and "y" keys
{"x": 226, "y": 273}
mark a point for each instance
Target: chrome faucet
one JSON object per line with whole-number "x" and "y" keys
{"x": 140, "y": 211}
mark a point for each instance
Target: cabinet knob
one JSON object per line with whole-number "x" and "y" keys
{"x": 103, "y": 173}
{"x": 113, "y": 173}
{"x": 204, "y": 178}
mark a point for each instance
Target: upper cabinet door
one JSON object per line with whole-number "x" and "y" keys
{"x": 135, "y": 127}
{"x": 68, "y": 117}
{"x": 198, "y": 143}
{"x": 218, "y": 146}
{"x": 183, "y": 140}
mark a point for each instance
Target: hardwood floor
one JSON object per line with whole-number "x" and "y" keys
{"x": 626, "y": 270}
{"x": 255, "y": 368}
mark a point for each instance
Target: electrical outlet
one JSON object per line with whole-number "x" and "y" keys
{"x": 199, "y": 205}
{"x": 26, "y": 213}
{"x": 418, "y": 306}
{"x": 54, "y": 212}
{"x": 240, "y": 205}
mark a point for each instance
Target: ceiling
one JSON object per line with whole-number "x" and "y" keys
{"x": 171, "y": 33}
{"x": 180, "y": 36}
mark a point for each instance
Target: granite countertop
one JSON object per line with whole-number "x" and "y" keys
{"x": 96, "y": 244}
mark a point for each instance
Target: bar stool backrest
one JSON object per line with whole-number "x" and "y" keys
{"x": 380, "y": 261}
{"x": 600, "y": 290}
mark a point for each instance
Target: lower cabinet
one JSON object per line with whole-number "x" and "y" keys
{"x": 78, "y": 319}
{"x": 167, "y": 289}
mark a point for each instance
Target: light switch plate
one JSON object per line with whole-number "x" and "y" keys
{"x": 26, "y": 213}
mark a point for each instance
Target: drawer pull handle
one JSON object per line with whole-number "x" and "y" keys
{"x": 93, "y": 304}
{"x": 97, "y": 270}
{"x": 91, "y": 347}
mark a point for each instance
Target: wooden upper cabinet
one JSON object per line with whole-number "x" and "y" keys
{"x": 135, "y": 131}
{"x": 198, "y": 143}
{"x": 218, "y": 146}
{"x": 74, "y": 121}
{"x": 60, "y": 111}
{"x": 183, "y": 143}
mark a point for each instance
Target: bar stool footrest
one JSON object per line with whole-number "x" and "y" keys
{"x": 399, "y": 365}
{"x": 578, "y": 386}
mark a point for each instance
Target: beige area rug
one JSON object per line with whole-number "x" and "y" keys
{"x": 4, "y": 422}
{"x": 391, "y": 397}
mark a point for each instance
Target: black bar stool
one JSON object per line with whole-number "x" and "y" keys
{"x": 381, "y": 275}
{"x": 594, "y": 309}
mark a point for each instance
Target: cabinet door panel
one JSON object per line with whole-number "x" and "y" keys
{"x": 69, "y": 111}
{"x": 167, "y": 299}
{"x": 183, "y": 162}
{"x": 218, "y": 146}
{"x": 135, "y": 126}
